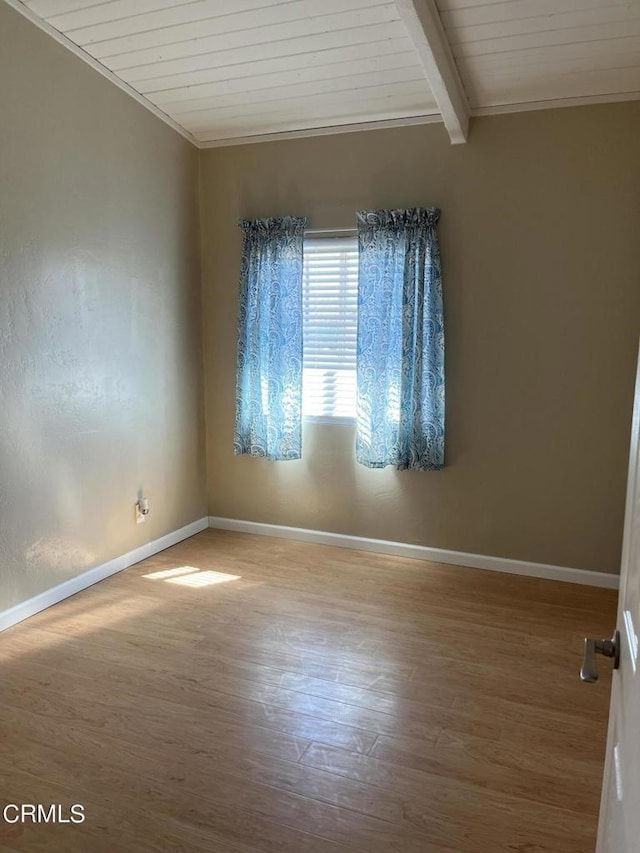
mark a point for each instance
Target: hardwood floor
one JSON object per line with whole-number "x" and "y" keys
{"x": 319, "y": 701}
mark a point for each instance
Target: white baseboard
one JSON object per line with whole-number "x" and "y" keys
{"x": 421, "y": 552}
{"x": 381, "y": 546}
{"x": 70, "y": 587}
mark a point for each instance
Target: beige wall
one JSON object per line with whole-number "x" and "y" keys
{"x": 100, "y": 345}
{"x": 541, "y": 256}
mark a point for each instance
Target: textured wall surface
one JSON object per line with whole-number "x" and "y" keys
{"x": 541, "y": 258}
{"x": 100, "y": 344}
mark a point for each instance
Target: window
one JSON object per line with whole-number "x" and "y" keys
{"x": 330, "y": 321}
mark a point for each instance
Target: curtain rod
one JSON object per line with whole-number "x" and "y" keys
{"x": 330, "y": 230}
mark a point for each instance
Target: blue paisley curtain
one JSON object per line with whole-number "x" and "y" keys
{"x": 269, "y": 375}
{"x": 400, "y": 413}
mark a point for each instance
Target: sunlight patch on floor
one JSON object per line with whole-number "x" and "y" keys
{"x": 191, "y": 576}
{"x": 170, "y": 573}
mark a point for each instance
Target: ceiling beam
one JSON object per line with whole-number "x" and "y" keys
{"x": 427, "y": 33}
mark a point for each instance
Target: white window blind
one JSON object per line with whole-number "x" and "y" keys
{"x": 330, "y": 320}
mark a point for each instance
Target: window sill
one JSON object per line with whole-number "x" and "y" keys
{"x": 331, "y": 421}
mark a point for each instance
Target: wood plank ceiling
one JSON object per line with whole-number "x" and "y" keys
{"x": 533, "y": 51}
{"x": 229, "y": 69}
{"x": 233, "y": 68}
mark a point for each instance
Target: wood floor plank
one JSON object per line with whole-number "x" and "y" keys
{"x": 506, "y": 770}
{"x": 469, "y": 812}
{"x": 325, "y": 701}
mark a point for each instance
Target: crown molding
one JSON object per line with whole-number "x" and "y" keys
{"x": 500, "y": 109}
{"x": 556, "y": 103}
{"x": 322, "y": 131}
{"x": 100, "y": 68}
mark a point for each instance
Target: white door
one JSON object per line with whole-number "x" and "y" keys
{"x": 619, "y": 829}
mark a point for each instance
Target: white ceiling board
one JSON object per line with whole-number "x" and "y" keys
{"x": 290, "y": 107}
{"x": 564, "y": 68}
{"x": 354, "y": 59}
{"x": 262, "y": 36}
{"x": 555, "y": 27}
{"x": 530, "y": 51}
{"x": 568, "y": 39}
{"x": 198, "y": 19}
{"x": 275, "y": 23}
{"x": 591, "y": 54}
{"x": 47, "y": 8}
{"x": 311, "y": 81}
{"x": 463, "y": 12}
{"x": 295, "y": 51}
{"x": 124, "y": 17}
